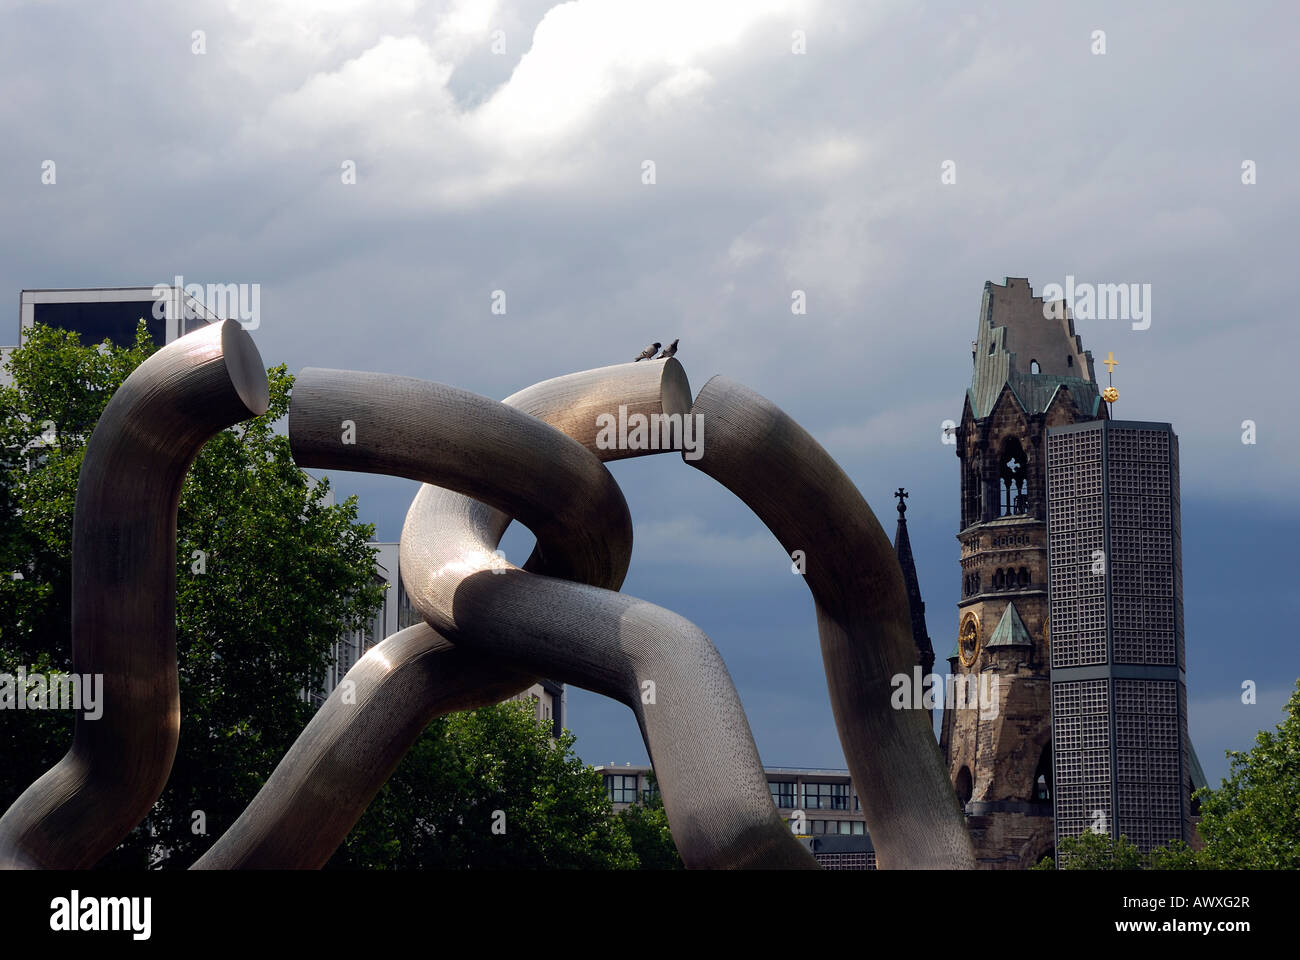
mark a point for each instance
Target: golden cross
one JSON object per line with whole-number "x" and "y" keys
{"x": 1111, "y": 362}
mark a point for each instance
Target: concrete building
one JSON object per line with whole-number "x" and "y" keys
{"x": 842, "y": 853}
{"x": 1105, "y": 652}
{"x": 550, "y": 704}
{"x": 1030, "y": 373}
{"x": 1123, "y": 760}
{"x": 109, "y": 313}
{"x": 822, "y": 802}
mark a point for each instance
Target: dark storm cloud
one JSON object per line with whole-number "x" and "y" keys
{"x": 774, "y": 172}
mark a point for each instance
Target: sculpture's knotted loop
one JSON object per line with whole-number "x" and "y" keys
{"x": 491, "y": 627}
{"x": 658, "y": 663}
{"x": 426, "y": 431}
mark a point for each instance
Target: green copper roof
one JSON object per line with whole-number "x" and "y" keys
{"x": 1034, "y": 391}
{"x": 1014, "y": 331}
{"x": 1011, "y": 631}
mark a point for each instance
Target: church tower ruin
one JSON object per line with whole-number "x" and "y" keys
{"x": 1030, "y": 373}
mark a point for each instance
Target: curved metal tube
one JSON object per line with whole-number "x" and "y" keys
{"x": 421, "y": 435}
{"x": 574, "y": 403}
{"x": 661, "y": 665}
{"x": 124, "y": 596}
{"x": 800, "y": 493}
{"x": 401, "y": 426}
{"x": 352, "y": 745}
{"x": 414, "y": 428}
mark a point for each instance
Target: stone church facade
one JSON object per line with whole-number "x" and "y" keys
{"x": 1030, "y": 373}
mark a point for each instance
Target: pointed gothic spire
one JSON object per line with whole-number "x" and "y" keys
{"x": 903, "y": 548}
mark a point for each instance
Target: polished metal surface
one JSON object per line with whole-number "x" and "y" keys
{"x": 663, "y": 667}
{"x": 124, "y": 595}
{"x": 422, "y": 430}
{"x": 793, "y": 485}
{"x": 524, "y": 623}
{"x": 352, "y": 746}
{"x": 491, "y": 627}
{"x": 574, "y": 403}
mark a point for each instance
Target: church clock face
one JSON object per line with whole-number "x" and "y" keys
{"x": 968, "y": 639}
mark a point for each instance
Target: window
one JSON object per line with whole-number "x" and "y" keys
{"x": 1012, "y": 478}
{"x": 1043, "y": 776}
{"x": 97, "y": 321}
{"x": 859, "y": 828}
{"x": 1034, "y": 367}
{"x": 622, "y": 787}
{"x": 1069, "y": 361}
{"x": 826, "y": 796}
{"x": 782, "y": 793}
{"x": 963, "y": 786}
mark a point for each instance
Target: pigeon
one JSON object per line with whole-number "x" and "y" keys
{"x": 649, "y": 352}
{"x": 669, "y": 351}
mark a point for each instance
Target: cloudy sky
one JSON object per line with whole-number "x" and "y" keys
{"x": 503, "y": 146}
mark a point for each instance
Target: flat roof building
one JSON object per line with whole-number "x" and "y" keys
{"x": 97, "y": 314}
{"x": 820, "y": 805}
{"x": 1124, "y": 763}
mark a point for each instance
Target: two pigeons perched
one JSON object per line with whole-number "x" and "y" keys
{"x": 649, "y": 352}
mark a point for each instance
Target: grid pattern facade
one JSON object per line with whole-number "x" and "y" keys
{"x": 1176, "y": 549}
{"x": 1076, "y": 535}
{"x": 1119, "y": 715}
{"x": 1141, "y": 556}
{"x": 1147, "y": 761}
{"x": 847, "y": 861}
{"x": 1081, "y": 755}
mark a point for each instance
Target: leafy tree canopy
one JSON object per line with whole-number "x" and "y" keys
{"x": 268, "y": 576}
{"x": 489, "y": 789}
{"x": 647, "y": 826}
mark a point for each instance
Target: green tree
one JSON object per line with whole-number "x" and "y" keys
{"x": 647, "y": 825}
{"x": 277, "y": 576}
{"x": 1175, "y": 855}
{"x": 1095, "y": 851}
{"x": 489, "y": 789}
{"x": 1252, "y": 822}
